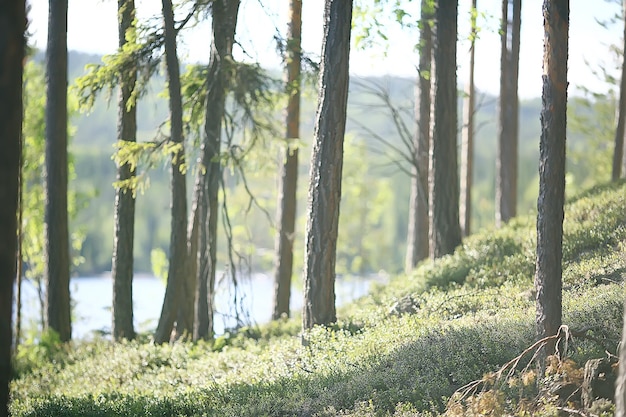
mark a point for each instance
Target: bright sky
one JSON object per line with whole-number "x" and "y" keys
{"x": 93, "y": 28}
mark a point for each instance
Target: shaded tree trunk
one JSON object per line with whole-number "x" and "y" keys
{"x": 417, "y": 236}
{"x": 289, "y": 170}
{"x": 444, "y": 226}
{"x": 20, "y": 239}
{"x": 12, "y": 46}
{"x": 506, "y": 163}
{"x": 123, "y": 244}
{"x": 467, "y": 136}
{"x": 224, "y": 24}
{"x": 624, "y": 163}
{"x": 552, "y": 170}
{"x": 185, "y": 319}
{"x": 618, "y": 152}
{"x": 326, "y": 167}
{"x": 187, "y": 307}
{"x": 178, "y": 234}
{"x": 56, "y": 228}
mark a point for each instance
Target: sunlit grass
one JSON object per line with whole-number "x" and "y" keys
{"x": 402, "y": 350}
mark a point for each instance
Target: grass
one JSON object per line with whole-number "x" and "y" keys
{"x": 463, "y": 317}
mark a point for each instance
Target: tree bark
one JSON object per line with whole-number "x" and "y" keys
{"x": 178, "y": 234}
{"x": 12, "y": 46}
{"x": 445, "y": 229}
{"x": 185, "y": 320}
{"x": 552, "y": 170}
{"x": 618, "y": 152}
{"x": 417, "y": 235}
{"x": 224, "y": 24}
{"x": 326, "y": 167}
{"x": 467, "y": 136}
{"x": 506, "y": 163}
{"x": 289, "y": 170}
{"x": 123, "y": 244}
{"x": 56, "y": 228}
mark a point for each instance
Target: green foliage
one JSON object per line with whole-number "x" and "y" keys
{"x": 373, "y": 18}
{"x": 140, "y": 54}
{"x": 33, "y": 135}
{"x": 370, "y": 29}
{"x": 376, "y": 361}
{"x": 364, "y": 243}
{"x": 160, "y": 263}
{"x": 592, "y": 118}
{"x": 486, "y": 259}
{"x": 38, "y": 351}
{"x": 595, "y": 222}
{"x": 594, "y": 226}
{"x": 194, "y": 90}
{"x": 33, "y": 181}
{"x": 255, "y": 234}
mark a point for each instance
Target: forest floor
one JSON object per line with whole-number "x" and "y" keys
{"x": 438, "y": 341}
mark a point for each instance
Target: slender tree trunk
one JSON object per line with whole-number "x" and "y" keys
{"x": 552, "y": 170}
{"x": 445, "y": 229}
{"x": 56, "y": 228}
{"x": 620, "y": 391}
{"x": 123, "y": 244}
{"x": 201, "y": 303}
{"x": 224, "y": 23}
{"x": 618, "y": 153}
{"x": 326, "y": 167}
{"x": 624, "y": 163}
{"x": 185, "y": 321}
{"x": 506, "y": 163}
{"x": 417, "y": 236}
{"x": 178, "y": 235}
{"x": 467, "y": 139}
{"x": 20, "y": 246}
{"x": 289, "y": 171}
{"x": 12, "y": 46}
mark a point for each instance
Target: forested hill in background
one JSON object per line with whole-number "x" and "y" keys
{"x": 375, "y": 232}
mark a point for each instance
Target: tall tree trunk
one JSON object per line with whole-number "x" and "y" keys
{"x": 506, "y": 163}
{"x": 12, "y": 46}
{"x": 618, "y": 152}
{"x": 122, "y": 265}
{"x": 20, "y": 244}
{"x": 289, "y": 170}
{"x": 56, "y": 229}
{"x": 552, "y": 170}
{"x": 178, "y": 234}
{"x": 326, "y": 167}
{"x": 224, "y": 24}
{"x": 624, "y": 163}
{"x": 417, "y": 235}
{"x": 620, "y": 391}
{"x": 467, "y": 135}
{"x": 185, "y": 320}
{"x": 445, "y": 229}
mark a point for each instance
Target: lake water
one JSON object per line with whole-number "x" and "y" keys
{"x": 92, "y": 299}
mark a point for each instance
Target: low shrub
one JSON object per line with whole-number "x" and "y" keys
{"x": 467, "y": 315}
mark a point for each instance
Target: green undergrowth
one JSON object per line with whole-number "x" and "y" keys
{"x": 402, "y": 350}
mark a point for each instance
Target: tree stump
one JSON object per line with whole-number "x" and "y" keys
{"x": 599, "y": 381}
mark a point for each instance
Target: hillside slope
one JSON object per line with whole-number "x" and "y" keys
{"x": 402, "y": 350}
